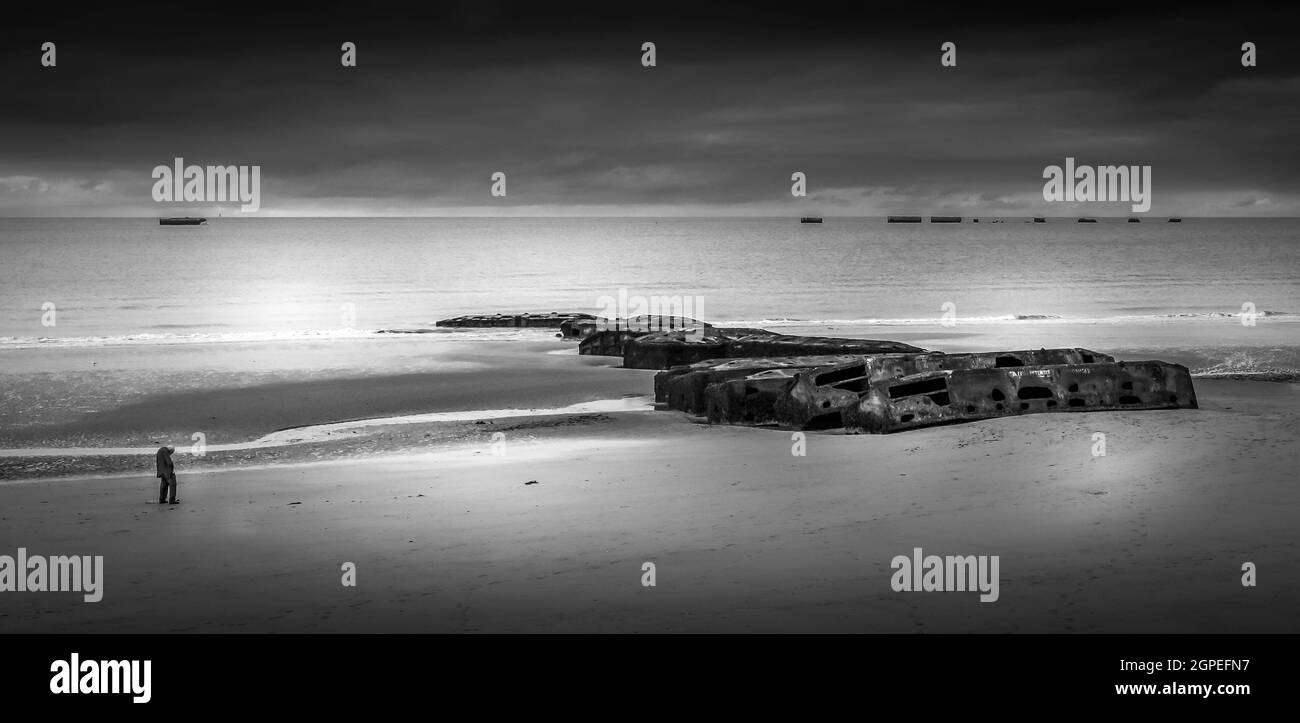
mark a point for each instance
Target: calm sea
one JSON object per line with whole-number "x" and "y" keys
{"x": 132, "y": 281}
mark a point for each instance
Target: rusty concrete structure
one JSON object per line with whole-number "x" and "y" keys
{"x": 815, "y": 398}
{"x": 606, "y": 343}
{"x": 692, "y": 345}
{"x": 552, "y": 320}
{"x": 644, "y": 324}
{"x": 682, "y": 387}
{"x": 785, "y": 345}
{"x": 664, "y": 378}
{"x": 748, "y": 401}
{"x": 577, "y": 328}
{"x": 665, "y": 350}
{"x": 942, "y": 397}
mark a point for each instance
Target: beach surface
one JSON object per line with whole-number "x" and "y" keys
{"x": 543, "y": 522}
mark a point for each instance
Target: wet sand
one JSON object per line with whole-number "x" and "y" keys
{"x": 128, "y": 397}
{"x": 448, "y": 536}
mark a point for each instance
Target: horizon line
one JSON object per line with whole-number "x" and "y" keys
{"x": 250, "y": 217}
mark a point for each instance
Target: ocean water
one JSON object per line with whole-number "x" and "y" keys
{"x": 131, "y": 281}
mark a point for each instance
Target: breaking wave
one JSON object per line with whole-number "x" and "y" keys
{"x": 161, "y": 339}
{"x": 1008, "y": 319}
{"x": 538, "y": 334}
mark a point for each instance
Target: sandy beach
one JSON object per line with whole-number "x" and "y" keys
{"x": 548, "y": 530}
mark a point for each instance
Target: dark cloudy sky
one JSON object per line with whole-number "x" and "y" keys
{"x": 554, "y": 95}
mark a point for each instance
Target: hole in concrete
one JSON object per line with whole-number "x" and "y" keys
{"x": 1126, "y": 385}
{"x": 970, "y": 408}
{"x": 925, "y": 386}
{"x": 1035, "y": 393}
{"x": 1129, "y": 399}
{"x": 1074, "y": 388}
{"x": 1087, "y": 358}
{"x": 999, "y": 407}
{"x": 826, "y": 404}
{"x": 1077, "y": 402}
{"x": 854, "y": 385}
{"x": 1051, "y": 403}
{"x": 1173, "y": 398}
{"x": 941, "y": 398}
{"x": 907, "y": 418}
{"x": 1024, "y": 405}
{"x": 1007, "y": 361}
{"x": 841, "y": 375}
{"x": 998, "y": 396}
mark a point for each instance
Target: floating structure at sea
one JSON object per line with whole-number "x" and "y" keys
{"x": 181, "y": 221}
{"x": 945, "y": 219}
{"x": 811, "y": 219}
{"x": 903, "y": 219}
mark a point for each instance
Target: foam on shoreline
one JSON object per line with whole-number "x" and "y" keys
{"x": 536, "y": 334}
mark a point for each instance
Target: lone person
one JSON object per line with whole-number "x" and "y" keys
{"x": 166, "y": 473}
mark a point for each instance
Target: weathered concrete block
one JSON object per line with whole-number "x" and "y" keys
{"x": 644, "y": 324}
{"x": 577, "y": 328}
{"x": 940, "y": 397}
{"x": 748, "y": 401}
{"x": 758, "y": 364}
{"x": 607, "y": 343}
{"x": 665, "y": 377}
{"x": 617, "y": 332}
{"x": 668, "y": 349}
{"x": 773, "y": 345}
{"x": 814, "y": 400}
{"x": 682, "y": 387}
{"x": 551, "y": 320}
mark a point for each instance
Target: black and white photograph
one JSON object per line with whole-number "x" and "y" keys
{"x": 498, "y": 319}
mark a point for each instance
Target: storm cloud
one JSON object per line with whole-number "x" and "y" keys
{"x": 555, "y": 97}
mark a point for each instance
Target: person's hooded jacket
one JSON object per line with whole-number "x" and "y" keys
{"x": 164, "y": 459}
